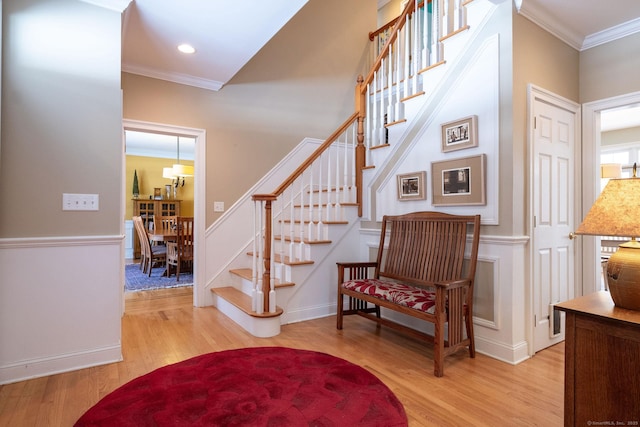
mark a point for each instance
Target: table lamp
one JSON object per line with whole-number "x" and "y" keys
{"x": 616, "y": 212}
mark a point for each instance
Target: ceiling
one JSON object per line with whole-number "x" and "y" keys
{"x": 225, "y": 33}
{"x": 228, "y": 33}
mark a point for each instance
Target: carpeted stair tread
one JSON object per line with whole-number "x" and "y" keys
{"x": 242, "y": 301}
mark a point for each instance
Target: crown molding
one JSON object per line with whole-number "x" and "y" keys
{"x": 184, "y": 79}
{"x": 116, "y": 5}
{"x": 548, "y": 22}
{"x": 610, "y": 34}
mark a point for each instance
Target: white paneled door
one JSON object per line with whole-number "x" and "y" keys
{"x": 553, "y": 181}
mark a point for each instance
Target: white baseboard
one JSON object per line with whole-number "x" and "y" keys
{"x": 512, "y": 354}
{"x": 34, "y": 368}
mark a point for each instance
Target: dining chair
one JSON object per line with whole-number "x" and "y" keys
{"x": 150, "y": 254}
{"x": 180, "y": 252}
{"x": 165, "y": 223}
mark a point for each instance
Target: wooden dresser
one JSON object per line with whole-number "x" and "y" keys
{"x": 149, "y": 209}
{"x": 602, "y": 362}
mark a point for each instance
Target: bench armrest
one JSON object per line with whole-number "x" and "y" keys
{"x": 356, "y": 270}
{"x": 453, "y": 284}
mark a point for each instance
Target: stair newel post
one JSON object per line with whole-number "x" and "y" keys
{"x": 268, "y": 241}
{"x": 257, "y": 234}
{"x": 264, "y": 249}
{"x": 360, "y": 148}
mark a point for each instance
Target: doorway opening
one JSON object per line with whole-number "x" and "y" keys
{"x": 153, "y": 147}
{"x": 611, "y": 138}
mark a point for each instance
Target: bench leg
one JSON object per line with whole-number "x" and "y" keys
{"x": 339, "y": 311}
{"x": 472, "y": 342}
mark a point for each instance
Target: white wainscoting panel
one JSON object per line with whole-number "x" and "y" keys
{"x": 60, "y": 304}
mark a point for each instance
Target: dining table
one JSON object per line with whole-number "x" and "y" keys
{"x": 163, "y": 235}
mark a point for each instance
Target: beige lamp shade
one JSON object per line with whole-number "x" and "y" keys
{"x": 168, "y": 173}
{"x": 182, "y": 170}
{"x": 616, "y": 212}
{"x": 610, "y": 170}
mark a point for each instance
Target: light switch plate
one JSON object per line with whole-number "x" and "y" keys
{"x": 218, "y": 206}
{"x": 80, "y": 202}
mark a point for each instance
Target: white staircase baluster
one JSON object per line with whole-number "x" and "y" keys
{"x": 445, "y": 18}
{"x": 345, "y": 171}
{"x": 328, "y": 186}
{"x": 312, "y": 209}
{"x": 426, "y": 33}
{"x": 415, "y": 48}
{"x": 389, "y": 86}
{"x": 337, "y": 185}
{"x": 303, "y": 216}
{"x": 407, "y": 56}
{"x": 320, "y": 210}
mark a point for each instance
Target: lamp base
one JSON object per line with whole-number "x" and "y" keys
{"x": 623, "y": 276}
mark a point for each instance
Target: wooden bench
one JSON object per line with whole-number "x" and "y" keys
{"x": 419, "y": 272}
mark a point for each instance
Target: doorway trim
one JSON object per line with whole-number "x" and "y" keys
{"x": 199, "y": 192}
{"x": 590, "y": 185}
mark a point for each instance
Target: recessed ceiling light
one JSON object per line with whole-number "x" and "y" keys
{"x": 186, "y": 48}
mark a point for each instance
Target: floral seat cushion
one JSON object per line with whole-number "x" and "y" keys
{"x": 398, "y": 293}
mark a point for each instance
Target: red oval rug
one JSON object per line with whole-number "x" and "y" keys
{"x": 260, "y": 386}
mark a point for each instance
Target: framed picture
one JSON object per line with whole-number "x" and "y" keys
{"x": 460, "y": 134}
{"x": 459, "y": 181}
{"x": 411, "y": 186}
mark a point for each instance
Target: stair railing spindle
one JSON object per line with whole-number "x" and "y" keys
{"x": 303, "y": 216}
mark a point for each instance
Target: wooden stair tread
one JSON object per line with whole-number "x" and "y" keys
{"x": 247, "y": 273}
{"x": 307, "y": 241}
{"x": 297, "y": 221}
{"x": 242, "y": 301}
{"x": 324, "y": 205}
{"x": 286, "y": 260}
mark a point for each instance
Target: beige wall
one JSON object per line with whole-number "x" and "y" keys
{"x": 610, "y": 70}
{"x": 543, "y": 60}
{"x": 149, "y": 171}
{"x": 61, "y": 118}
{"x": 301, "y": 84}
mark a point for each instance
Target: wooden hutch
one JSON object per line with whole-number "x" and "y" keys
{"x": 148, "y": 209}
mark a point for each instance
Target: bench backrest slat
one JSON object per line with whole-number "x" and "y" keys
{"x": 426, "y": 247}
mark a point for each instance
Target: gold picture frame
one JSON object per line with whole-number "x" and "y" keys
{"x": 460, "y": 134}
{"x": 411, "y": 186}
{"x": 459, "y": 181}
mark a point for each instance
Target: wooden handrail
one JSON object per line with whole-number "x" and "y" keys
{"x": 385, "y": 50}
{"x": 326, "y": 144}
{"x": 373, "y": 34}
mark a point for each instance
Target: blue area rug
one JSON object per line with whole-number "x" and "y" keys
{"x": 136, "y": 280}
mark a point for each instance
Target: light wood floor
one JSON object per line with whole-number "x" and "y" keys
{"x": 162, "y": 327}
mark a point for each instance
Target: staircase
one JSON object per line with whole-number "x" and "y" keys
{"x": 283, "y": 270}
